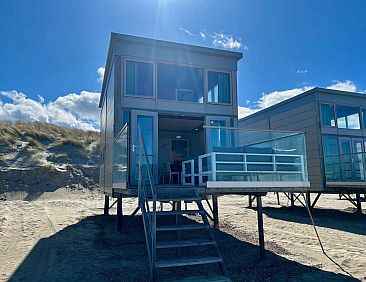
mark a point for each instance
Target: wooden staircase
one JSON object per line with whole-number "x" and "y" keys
{"x": 197, "y": 235}
{"x": 172, "y": 239}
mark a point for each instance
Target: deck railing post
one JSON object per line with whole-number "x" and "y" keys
{"x": 200, "y": 176}
{"x": 213, "y": 166}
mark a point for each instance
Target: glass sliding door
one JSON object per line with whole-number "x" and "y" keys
{"x": 217, "y": 137}
{"x": 148, "y": 123}
{"x": 346, "y": 158}
{"x": 358, "y": 161}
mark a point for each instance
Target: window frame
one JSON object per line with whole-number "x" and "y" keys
{"x": 230, "y": 83}
{"x": 359, "y": 117}
{"x": 334, "y": 115}
{"x": 125, "y": 59}
{"x": 181, "y": 65}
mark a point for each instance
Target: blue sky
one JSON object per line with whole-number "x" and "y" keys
{"x": 50, "y": 51}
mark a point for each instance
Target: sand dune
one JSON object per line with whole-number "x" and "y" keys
{"x": 62, "y": 236}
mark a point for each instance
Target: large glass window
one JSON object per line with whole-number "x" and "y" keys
{"x": 219, "y": 87}
{"x": 139, "y": 78}
{"x": 179, "y": 83}
{"x": 348, "y": 117}
{"x": 332, "y": 162}
{"x": 327, "y": 113}
{"x": 364, "y": 118}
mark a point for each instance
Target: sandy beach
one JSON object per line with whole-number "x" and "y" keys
{"x": 63, "y": 236}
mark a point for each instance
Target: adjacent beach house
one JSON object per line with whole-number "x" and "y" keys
{"x": 169, "y": 134}
{"x": 335, "y": 126}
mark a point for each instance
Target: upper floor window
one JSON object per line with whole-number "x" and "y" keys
{"x": 219, "y": 87}
{"x": 364, "y": 118}
{"x": 348, "y": 117}
{"x": 327, "y": 113}
{"x": 179, "y": 83}
{"x": 139, "y": 78}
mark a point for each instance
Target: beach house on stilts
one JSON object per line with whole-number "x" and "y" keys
{"x": 169, "y": 134}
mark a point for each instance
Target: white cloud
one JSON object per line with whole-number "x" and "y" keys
{"x": 346, "y": 85}
{"x": 73, "y": 110}
{"x": 186, "y": 31}
{"x": 269, "y": 99}
{"x": 272, "y": 98}
{"x": 301, "y": 71}
{"x": 245, "y": 111}
{"x": 203, "y": 34}
{"x": 226, "y": 41}
{"x": 100, "y": 72}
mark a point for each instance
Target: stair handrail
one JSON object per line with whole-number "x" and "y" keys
{"x": 145, "y": 196}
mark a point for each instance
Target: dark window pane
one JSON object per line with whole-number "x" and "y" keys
{"x": 219, "y": 87}
{"x": 330, "y": 145}
{"x": 139, "y": 78}
{"x": 180, "y": 83}
{"x": 327, "y": 112}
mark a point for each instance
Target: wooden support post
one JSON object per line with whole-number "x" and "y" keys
{"x": 292, "y": 200}
{"x": 106, "y": 205}
{"x": 308, "y": 200}
{"x": 278, "y": 198}
{"x": 215, "y": 211}
{"x": 260, "y": 228}
{"x": 358, "y": 203}
{"x": 178, "y": 221}
{"x": 119, "y": 214}
{"x": 250, "y": 203}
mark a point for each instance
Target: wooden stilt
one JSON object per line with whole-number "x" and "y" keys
{"x": 250, "y": 201}
{"x": 119, "y": 214}
{"x": 308, "y": 200}
{"x": 260, "y": 227}
{"x": 106, "y": 205}
{"x": 278, "y": 198}
{"x": 358, "y": 203}
{"x": 292, "y": 200}
{"x": 178, "y": 221}
{"x": 215, "y": 211}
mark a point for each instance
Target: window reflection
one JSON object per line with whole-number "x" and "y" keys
{"x": 348, "y": 117}
{"x": 180, "y": 83}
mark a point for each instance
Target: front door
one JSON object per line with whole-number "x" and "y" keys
{"x": 148, "y": 123}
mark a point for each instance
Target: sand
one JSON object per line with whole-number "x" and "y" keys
{"x": 62, "y": 236}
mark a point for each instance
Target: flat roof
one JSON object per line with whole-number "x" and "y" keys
{"x": 115, "y": 37}
{"x": 306, "y": 93}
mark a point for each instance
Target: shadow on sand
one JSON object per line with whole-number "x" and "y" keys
{"x": 352, "y": 222}
{"x": 91, "y": 250}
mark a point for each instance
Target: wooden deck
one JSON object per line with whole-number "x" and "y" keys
{"x": 232, "y": 187}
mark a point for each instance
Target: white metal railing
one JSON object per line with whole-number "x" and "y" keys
{"x": 146, "y": 194}
{"x": 188, "y": 171}
{"x": 241, "y": 160}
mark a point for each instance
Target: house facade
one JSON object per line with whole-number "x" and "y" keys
{"x": 170, "y": 91}
{"x": 335, "y": 126}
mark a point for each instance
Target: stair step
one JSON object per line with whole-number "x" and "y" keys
{"x": 182, "y": 227}
{"x": 176, "y": 198}
{"x": 199, "y": 278}
{"x": 191, "y": 212}
{"x": 187, "y": 261}
{"x": 184, "y": 243}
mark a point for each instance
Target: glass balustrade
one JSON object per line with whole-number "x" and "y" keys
{"x": 236, "y": 154}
